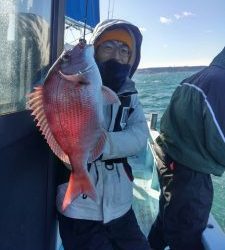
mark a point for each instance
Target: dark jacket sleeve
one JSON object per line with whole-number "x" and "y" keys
{"x": 214, "y": 115}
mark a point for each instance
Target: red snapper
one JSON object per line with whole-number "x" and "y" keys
{"x": 69, "y": 111}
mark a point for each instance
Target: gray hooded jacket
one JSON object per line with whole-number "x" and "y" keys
{"x": 113, "y": 185}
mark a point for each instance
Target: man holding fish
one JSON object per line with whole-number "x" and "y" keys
{"x": 98, "y": 215}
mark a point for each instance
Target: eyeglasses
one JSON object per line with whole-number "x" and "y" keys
{"x": 110, "y": 47}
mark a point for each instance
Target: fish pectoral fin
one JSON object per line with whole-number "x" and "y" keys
{"x": 109, "y": 96}
{"x": 98, "y": 149}
{"x": 78, "y": 184}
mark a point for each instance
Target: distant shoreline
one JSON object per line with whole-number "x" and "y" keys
{"x": 169, "y": 69}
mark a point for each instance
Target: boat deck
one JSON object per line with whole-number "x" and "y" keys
{"x": 145, "y": 198}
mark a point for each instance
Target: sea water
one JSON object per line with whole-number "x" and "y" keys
{"x": 155, "y": 90}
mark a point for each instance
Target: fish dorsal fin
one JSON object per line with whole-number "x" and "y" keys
{"x": 35, "y": 103}
{"x": 98, "y": 149}
{"x": 109, "y": 96}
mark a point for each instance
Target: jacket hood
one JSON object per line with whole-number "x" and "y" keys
{"x": 128, "y": 88}
{"x": 111, "y": 24}
{"x": 219, "y": 60}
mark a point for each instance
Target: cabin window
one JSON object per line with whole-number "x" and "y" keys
{"x": 24, "y": 49}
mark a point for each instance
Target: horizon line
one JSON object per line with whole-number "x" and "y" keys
{"x": 152, "y": 67}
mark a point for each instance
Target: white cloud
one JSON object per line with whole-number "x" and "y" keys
{"x": 187, "y": 13}
{"x": 165, "y": 20}
{"x": 183, "y": 15}
{"x": 177, "y": 16}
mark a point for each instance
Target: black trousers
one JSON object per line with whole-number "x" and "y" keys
{"x": 184, "y": 206}
{"x": 120, "y": 234}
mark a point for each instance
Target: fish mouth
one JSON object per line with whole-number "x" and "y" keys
{"x": 87, "y": 69}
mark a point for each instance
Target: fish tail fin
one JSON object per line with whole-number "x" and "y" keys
{"x": 76, "y": 186}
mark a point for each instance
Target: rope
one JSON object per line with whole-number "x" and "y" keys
{"x": 85, "y": 19}
{"x": 108, "y": 9}
{"x": 113, "y": 8}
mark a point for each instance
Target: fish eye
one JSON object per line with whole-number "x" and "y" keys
{"x": 65, "y": 58}
{"x": 83, "y": 82}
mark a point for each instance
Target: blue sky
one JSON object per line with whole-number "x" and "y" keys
{"x": 175, "y": 32}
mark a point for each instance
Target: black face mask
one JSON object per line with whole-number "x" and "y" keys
{"x": 113, "y": 74}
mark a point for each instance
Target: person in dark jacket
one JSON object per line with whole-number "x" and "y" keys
{"x": 189, "y": 149}
{"x": 110, "y": 223}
